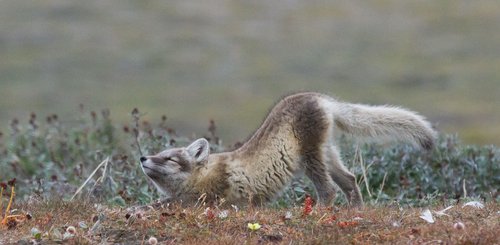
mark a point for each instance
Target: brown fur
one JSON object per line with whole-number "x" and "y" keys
{"x": 296, "y": 138}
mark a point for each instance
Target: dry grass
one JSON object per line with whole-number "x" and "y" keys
{"x": 389, "y": 224}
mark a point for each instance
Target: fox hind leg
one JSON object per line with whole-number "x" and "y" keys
{"x": 318, "y": 173}
{"x": 343, "y": 178}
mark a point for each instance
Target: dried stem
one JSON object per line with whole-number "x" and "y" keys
{"x": 136, "y": 117}
{"x": 6, "y": 216}
{"x": 359, "y": 157}
{"x": 90, "y": 177}
{"x": 381, "y": 187}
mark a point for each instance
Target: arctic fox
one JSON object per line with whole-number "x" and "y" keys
{"x": 296, "y": 138}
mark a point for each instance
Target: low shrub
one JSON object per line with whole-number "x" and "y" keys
{"x": 53, "y": 157}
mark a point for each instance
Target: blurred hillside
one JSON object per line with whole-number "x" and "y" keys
{"x": 231, "y": 60}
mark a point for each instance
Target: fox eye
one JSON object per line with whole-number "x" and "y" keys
{"x": 170, "y": 159}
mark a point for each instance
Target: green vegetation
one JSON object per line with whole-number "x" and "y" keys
{"x": 50, "y": 159}
{"x": 48, "y": 156}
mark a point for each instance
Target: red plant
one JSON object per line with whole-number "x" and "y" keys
{"x": 308, "y": 203}
{"x": 210, "y": 214}
{"x": 344, "y": 224}
{"x": 330, "y": 219}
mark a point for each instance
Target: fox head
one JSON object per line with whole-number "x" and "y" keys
{"x": 170, "y": 168}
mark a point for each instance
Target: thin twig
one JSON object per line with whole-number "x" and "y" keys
{"x": 321, "y": 219}
{"x": 201, "y": 200}
{"x": 90, "y": 177}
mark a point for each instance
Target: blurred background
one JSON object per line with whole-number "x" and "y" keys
{"x": 231, "y": 60}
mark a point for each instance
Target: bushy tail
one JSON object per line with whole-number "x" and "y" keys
{"x": 385, "y": 122}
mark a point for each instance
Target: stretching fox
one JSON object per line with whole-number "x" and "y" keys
{"x": 297, "y": 137}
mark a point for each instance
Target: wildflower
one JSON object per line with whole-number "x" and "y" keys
{"x": 12, "y": 182}
{"x": 135, "y": 112}
{"x": 153, "y": 241}
{"x": 253, "y": 226}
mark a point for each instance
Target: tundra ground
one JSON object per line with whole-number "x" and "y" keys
{"x": 387, "y": 224}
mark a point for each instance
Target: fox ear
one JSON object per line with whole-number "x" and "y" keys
{"x": 199, "y": 150}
